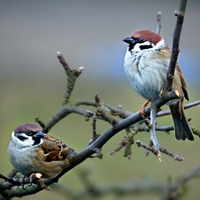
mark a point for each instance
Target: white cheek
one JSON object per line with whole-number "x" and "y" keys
{"x": 22, "y": 144}
{"x": 137, "y": 47}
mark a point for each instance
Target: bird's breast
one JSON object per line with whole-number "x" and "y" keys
{"x": 22, "y": 158}
{"x": 145, "y": 73}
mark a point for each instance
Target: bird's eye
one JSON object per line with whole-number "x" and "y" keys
{"x": 29, "y": 133}
{"x": 141, "y": 40}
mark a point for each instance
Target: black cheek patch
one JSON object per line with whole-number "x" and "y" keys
{"x": 131, "y": 47}
{"x": 22, "y": 138}
{"x": 145, "y": 46}
{"x": 37, "y": 140}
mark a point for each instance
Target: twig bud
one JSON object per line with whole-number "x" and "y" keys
{"x": 80, "y": 69}
{"x": 178, "y": 13}
{"x": 120, "y": 106}
{"x": 59, "y": 54}
{"x": 96, "y": 98}
{"x": 159, "y": 16}
{"x": 113, "y": 122}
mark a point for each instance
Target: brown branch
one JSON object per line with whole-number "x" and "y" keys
{"x": 94, "y": 131}
{"x": 72, "y": 75}
{"x": 125, "y": 113}
{"x": 73, "y": 108}
{"x": 175, "y": 46}
{"x": 63, "y": 62}
{"x": 41, "y": 123}
{"x": 126, "y": 142}
{"x": 63, "y": 112}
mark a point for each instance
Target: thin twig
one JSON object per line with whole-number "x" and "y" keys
{"x": 63, "y": 62}
{"x": 72, "y": 75}
{"x": 94, "y": 131}
{"x": 158, "y": 27}
{"x": 161, "y": 149}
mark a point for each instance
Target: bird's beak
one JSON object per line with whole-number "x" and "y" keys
{"x": 129, "y": 40}
{"x": 39, "y": 135}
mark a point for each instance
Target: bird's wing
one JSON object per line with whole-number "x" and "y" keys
{"x": 184, "y": 87}
{"x": 54, "y": 149}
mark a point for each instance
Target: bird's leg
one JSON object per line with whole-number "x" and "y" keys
{"x": 38, "y": 180}
{"x": 141, "y": 111}
{"x": 153, "y": 131}
{"x": 31, "y": 177}
{"x": 22, "y": 182}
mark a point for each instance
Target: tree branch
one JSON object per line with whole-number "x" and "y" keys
{"x": 72, "y": 75}
{"x": 175, "y": 46}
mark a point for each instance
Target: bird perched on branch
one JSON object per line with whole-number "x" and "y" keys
{"x": 146, "y": 63}
{"x": 31, "y": 151}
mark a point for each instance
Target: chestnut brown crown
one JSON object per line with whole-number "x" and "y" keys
{"x": 27, "y": 126}
{"x": 147, "y": 35}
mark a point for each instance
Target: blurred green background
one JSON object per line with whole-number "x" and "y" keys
{"x": 89, "y": 33}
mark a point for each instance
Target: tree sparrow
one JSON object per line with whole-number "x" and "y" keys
{"x": 31, "y": 151}
{"x": 146, "y": 63}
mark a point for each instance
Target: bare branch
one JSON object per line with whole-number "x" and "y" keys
{"x": 63, "y": 112}
{"x": 94, "y": 131}
{"x": 175, "y": 46}
{"x": 162, "y": 150}
{"x": 72, "y": 75}
{"x": 126, "y": 142}
{"x": 41, "y": 123}
{"x": 63, "y": 62}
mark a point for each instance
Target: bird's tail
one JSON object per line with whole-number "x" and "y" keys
{"x": 181, "y": 126}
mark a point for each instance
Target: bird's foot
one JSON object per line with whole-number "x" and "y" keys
{"x": 142, "y": 109}
{"x": 37, "y": 178}
{"x": 22, "y": 182}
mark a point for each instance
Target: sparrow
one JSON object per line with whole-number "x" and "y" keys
{"x": 31, "y": 151}
{"x": 146, "y": 63}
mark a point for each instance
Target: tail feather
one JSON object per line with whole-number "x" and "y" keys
{"x": 181, "y": 126}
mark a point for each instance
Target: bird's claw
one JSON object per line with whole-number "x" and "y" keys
{"x": 154, "y": 143}
{"x": 142, "y": 109}
{"x": 22, "y": 182}
{"x": 34, "y": 177}
{"x": 38, "y": 180}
